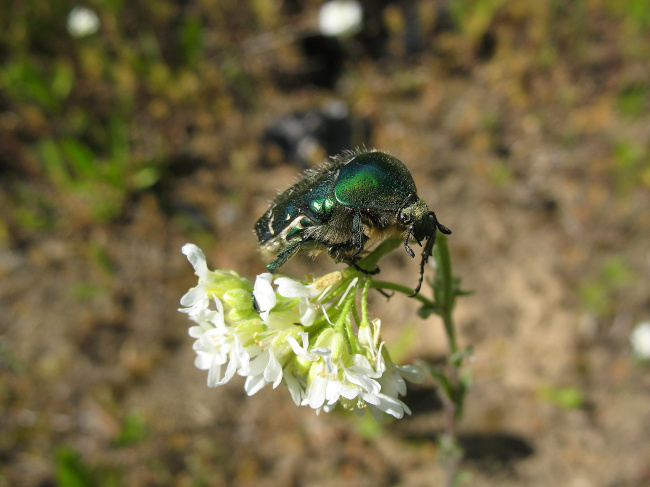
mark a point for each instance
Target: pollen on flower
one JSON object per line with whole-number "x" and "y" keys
{"x": 328, "y": 280}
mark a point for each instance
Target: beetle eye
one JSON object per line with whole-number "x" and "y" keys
{"x": 403, "y": 218}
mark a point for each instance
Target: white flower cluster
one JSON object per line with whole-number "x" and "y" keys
{"x": 280, "y": 330}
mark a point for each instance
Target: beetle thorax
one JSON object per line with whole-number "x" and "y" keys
{"x": 417, "y": 217}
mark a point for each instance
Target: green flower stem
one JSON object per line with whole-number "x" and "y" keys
{"x": 342, "y": 323}
{"x": 445, "y": 294}
{"x": 364, "y": 302}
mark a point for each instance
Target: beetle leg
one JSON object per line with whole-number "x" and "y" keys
{"x": 348, "y": 251}
{"x": 358, "y": 237}
{"x": 284, "y": 256}
{"x": 425, "y": 257}
{"x": 373, "y": 272}
{"x": 408, "y": 249}
{"x": 343, "y": 252}
{"x": 385, "y": 294}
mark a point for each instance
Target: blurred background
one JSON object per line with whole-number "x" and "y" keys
{"x": 130, "y": 128}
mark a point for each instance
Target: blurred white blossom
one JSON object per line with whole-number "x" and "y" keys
{"x": 640, "y": 340}
{"x": 340, "y": 17}
{"x": 82, "y": 22}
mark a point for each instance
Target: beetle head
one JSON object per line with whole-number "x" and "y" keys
{"x": 420, "y": 224}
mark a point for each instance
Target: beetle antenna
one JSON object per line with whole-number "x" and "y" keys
{"x": 439, "y": 226}
{"x": 406, "y": 242}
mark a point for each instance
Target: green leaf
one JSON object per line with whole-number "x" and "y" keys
{"x": 69, "y": 469}
{"x": 134, "y": 429}
{"x": 80, "y": 157}
{"x": 443, "y": 380}
{"x": 48, "y": 152}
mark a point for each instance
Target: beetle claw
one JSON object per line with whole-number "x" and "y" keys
{"x": 409, "y": 250}
{"x": 373, "y": 272}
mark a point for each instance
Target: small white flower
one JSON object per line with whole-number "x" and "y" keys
{"x": 196, "y": 298}
{"x": 215, "y": 348}
{"x": 264, "y": 294}
{"x": 217, "y": 345}
{"x": 264, "y": 369}
{"x": 640, "y": 340}
{"x": 301, "y": 350}
{"x": 369, "y": 336}
{"x": 340, "y": 17}
{"x": 82, "y": 22}
{"x": 336, "y": 379}
{"x": 294, "y": 289}
{"x": 386, "y": 404}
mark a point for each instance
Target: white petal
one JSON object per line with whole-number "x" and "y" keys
{"x": 411, "y": 373}
{"x": 241, "y": 357}
{"x": 301, "y": 352}
{"x": 293, "y": 289}
{"x": 308, "y": 312}
{"x": 365, "y": 336}
{"x": 387, "y": 404}
{"x": 295, "y": 389}
{"x": 316, "y": 393}
{"x": 254, "y": 384}
{"x": 273, "y": 370}
{"x": 264, "y": 294}
{"x": 196, "y": 331}
{"x": 214, "y": 372}
{"x": 230, "y": 372}
{"x": 203, "y": 361}
{"x": 197, "y": 258}
{"x": 393, "y": 385}
{"x": 333, "y": 391}
{"x": 350, "y": 392}
{"x": 258, "y": 364}
{"x": 195, "y": 298}
{"x": 216, "y": 318}
{"x": 360, "y": 379}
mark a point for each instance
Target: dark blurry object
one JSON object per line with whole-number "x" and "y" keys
{"x": 321, "y": 64}
{"x": 13, "y": 162}
{"x": 324, "y": 57}
{"x": 301, "y": 138}
{"x": 486, "y": 47}
{"x": 374, "y": 34}
{"x": 292, "y": 7}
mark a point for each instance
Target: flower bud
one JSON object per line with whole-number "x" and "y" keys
{"x": 236, "y": 315}
{"x": 239, "y": 299}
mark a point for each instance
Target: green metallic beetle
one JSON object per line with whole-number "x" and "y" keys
{"x": 346, "y": 205}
